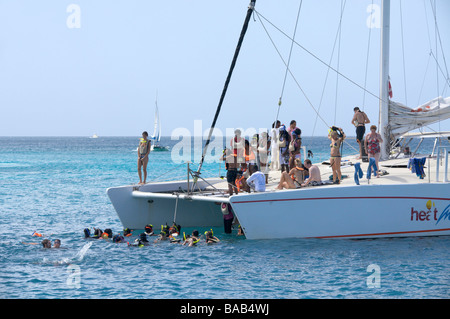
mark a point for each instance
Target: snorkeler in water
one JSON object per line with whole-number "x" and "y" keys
{"x": 191, "y": 240}
{"x": 210, "y": 238}
{"x": 141, "y": 241}
{"x": 148, "y": 229}
{"x": 164, "y": 234}
{"x": 118, "y": 239}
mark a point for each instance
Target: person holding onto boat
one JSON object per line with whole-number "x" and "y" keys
{"x": 336, "y": 136}
{"x": 314, "y": 178}
{"x": 143, "y": 152}
{"x": 228, "y": 217}
{"x": 360, "y": 119}
{"x": 295, "y": 177}
{"x": 372, "y": 143}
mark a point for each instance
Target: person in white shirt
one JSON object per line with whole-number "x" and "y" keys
{"x": 257, "y": 180}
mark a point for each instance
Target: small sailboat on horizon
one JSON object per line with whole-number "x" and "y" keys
{"x": 156, "y": 136}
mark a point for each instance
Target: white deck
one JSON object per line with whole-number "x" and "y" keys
{"x": 396, "y": 174}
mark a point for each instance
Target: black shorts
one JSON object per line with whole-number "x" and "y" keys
{"x": 231, "y": 176}
{"x": 360, "y": 131}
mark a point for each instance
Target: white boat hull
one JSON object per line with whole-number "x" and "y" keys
{"x": 155, "y": 204}
{"x": 367, "y": 211}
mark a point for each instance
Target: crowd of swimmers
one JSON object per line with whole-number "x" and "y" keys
{"x": 171, "y": 234}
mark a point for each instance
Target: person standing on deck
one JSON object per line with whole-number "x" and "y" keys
{"x": 336, "y": 137}
{"x": 372, "y": 144}
{"x": 275, "y": 150}
{"x": 360, "y": 120}
{"x": 143, "y": 152}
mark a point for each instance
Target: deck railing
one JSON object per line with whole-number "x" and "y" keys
{"x": 445, "y": 149}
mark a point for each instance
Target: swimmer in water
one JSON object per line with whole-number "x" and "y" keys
{"x": 46, "y": 243}
{"x": 210, "y": 238}
{"x": 164, "y": 234}
{"x": 57, "y": 243}
{"x": 148, "y": 229}
{"x": 127, "y": 232}
{"x": 191, "y": 240}
{"x": 118, "y": 239}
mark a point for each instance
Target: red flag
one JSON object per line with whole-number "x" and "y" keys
{"x": 390, "y": 89}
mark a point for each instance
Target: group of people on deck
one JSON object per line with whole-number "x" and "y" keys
{"x": 247, "y": 163}
{"x": 371, "y": 143}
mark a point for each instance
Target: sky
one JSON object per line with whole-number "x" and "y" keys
{"x": 79, "y": 67}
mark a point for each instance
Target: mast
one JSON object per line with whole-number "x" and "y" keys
{"x": 251, "y": 7}
{"x": 384, "y": 79}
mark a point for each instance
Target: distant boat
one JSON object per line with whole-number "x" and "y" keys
{"x": 156, "y": 137}
{"x": 94, "y": 136}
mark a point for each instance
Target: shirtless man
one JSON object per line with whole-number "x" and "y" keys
{"x": 232, "y": 166}
{"x": 360, "y": 120}
{"x": 314, "y": 178}
{"x": 295, "y": 177}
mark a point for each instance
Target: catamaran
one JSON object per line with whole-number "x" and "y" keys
{"x": 399, "y": 204}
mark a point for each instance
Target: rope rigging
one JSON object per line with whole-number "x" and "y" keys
{"x": 292, "y": 75}
{"x": 367, "y": 66}
{"x": 250, "y": 10}
{"x": 289, "y": 61}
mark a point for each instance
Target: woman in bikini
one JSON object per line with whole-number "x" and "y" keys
{"x": 372, "y": 144}
{"x": 335, "y": 155}
{"x": 295, "y": 177}
{"x": 143, "y": 152}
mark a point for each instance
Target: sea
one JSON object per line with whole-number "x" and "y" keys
{"x": 56, "y": 187}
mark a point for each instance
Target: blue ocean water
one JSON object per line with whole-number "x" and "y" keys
{"x": 57, "y": 186}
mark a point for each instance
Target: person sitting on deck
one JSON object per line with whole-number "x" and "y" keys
{"x": 295, "y": 177}
{"x": 257, "y": 180}
{"x": 314, "y": 178}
